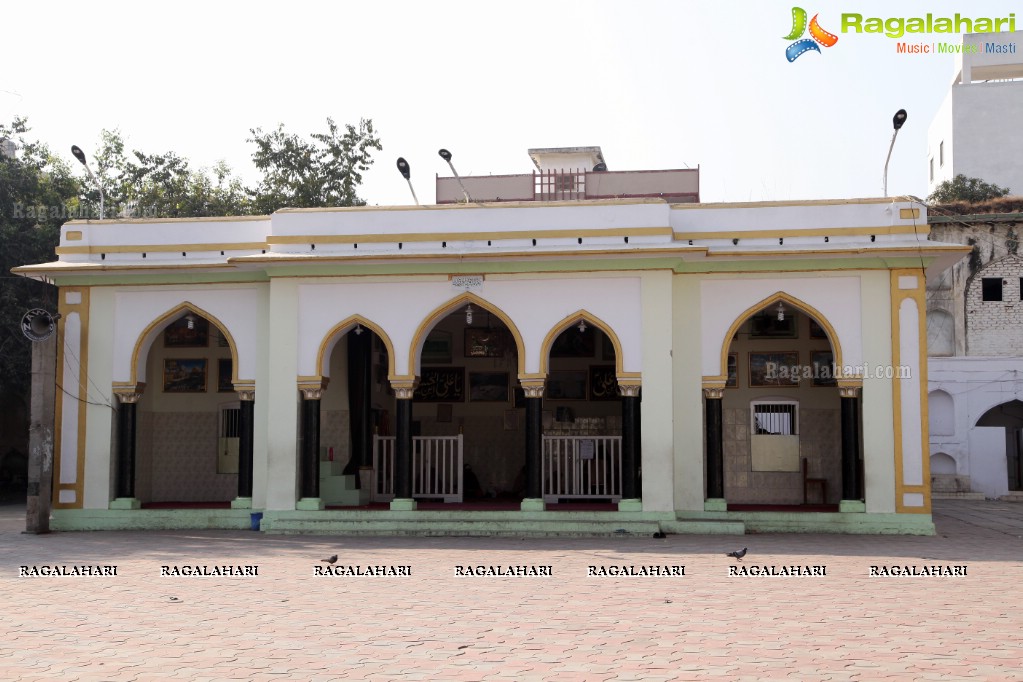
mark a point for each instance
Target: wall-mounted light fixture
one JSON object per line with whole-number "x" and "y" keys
{"x": 468, "y": 314}
{"x": 781, "y": 311}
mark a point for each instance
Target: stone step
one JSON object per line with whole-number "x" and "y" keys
{"x": 453, "y": 527}
{"x": 1013, "y": 496}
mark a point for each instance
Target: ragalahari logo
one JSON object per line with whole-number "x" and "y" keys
{"x": 818, "y": 35}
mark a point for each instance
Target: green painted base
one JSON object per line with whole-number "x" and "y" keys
{"x": 633, "y": 505}
{"x": 309, "y": 504}
{"x": 241, "y": 503}
{"x": 403, "y": 504}
{"x": 818, "y": 522}
{"x": 151, "y": 519}
{"x": 125, "y": 503}
{"x": 715, "y": 504}
{"x": 858, "y": 506}
{"x": 533, "y": 504}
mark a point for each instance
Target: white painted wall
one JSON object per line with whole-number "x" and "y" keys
{"x": 137, "y": 307}
{"x": 724, "y": 299}
{"x": 658, "y": 446}
{"x": 877, "y": 402}
{"x": 975, "y": 385}
{"x": 400, "y": 305}
{"x": 689, "y": 430}
{"x": 101, "y": 418}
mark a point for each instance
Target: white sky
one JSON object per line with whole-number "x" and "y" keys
{"x": 656, "y": 84}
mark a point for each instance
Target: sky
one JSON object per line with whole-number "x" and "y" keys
{"x": 655, "y": 84}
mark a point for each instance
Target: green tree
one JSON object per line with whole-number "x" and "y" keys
{"x": 962, "y": 188}
{"x": 38, "y": 193}
{"x": 324, "y": 171}
{"x": 140, "y": 185}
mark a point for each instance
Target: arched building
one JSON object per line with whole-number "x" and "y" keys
{"x": 555, "y": 363}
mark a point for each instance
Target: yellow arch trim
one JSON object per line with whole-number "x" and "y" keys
{"x": 343, "y": 327}
{"x": 556, "y": 330}
{"x": 836, "y": 345}
{"x": 173, "y": 313}
{"x": 466, "y": 298}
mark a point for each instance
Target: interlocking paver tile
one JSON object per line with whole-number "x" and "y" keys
{"x": 286, "y": 624}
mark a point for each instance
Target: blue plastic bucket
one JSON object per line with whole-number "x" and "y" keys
{"x": 256, "y": 518}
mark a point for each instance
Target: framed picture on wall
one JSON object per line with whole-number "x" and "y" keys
{"x": 774, "y": 369}
{"x": 567, "y": 385}
{"x": 488, "y": 387}
{"x": 224, "y": 383}
{"x": 766, "y": 325}
{"x": 603, "y": 383}
{"x": 733, "y": 371}
{"x": 184, "y": 375}
{"x": 178, "y": 335}
{"x": 817, "y": 331}
{"x": 485, "y": 343}
{"x": 441, "y": 385}
{"x": 437, "y": 348}
{"x": 823, "y": 363}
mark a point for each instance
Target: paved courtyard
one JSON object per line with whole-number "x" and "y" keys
{"x": 287, "y": 623}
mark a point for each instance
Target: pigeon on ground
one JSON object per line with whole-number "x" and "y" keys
{"x": 331, "y": 559}
{"x": 738, "y": 554}
{"x": 659, "y": 535}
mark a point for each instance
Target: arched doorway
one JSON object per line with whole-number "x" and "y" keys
{"x": 1009, "y": 415}
{"x": 353, "y": 407}
{"x": 468, "y": 387}
{"x": 188, "y": 424}
{"x": 589, "y": 454}
{"x": 782, "y": 412}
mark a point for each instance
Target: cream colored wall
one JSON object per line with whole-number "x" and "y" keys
{"x": 657, "y": 406}
{"x": 281, "y": 397}
{"x": 876, "y": 402}
{"x": 689, "y": 477}
{"x": 100, "y": 419}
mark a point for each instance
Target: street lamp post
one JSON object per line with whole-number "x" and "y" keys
{"x": 80, "y": 155}
{"x": 897, "y": 121}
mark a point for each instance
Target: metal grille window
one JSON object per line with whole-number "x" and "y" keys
{"x": 229, "y": 422}
{"x": 774, "y": 418}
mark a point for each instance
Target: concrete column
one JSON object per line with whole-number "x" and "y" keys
{"x": 533, "y": 389}
{"x": 309, "y": 463}
{"x": 246, "y": 427}
{"x": 403, "y": 500}
{"x": 715, "y": 464}
{"x": 631, "y": 455}
{"x": 852, "y": 486}
{"x": 124, "y": 481}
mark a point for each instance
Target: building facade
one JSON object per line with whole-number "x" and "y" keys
{"x": 975, "y": 337}
{"x": 541, "y": 364}
{"x": 976, "y": 131}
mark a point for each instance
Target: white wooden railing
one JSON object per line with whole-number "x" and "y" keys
{"x": 436, "y": 468}
{"x": 582, "y": 467}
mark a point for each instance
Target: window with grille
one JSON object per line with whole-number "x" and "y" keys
{"x": 774, "y": 418}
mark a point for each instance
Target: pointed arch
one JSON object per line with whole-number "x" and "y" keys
{"x": 431, "y": 320}
{"x": 149, "y": 334}
{"x": 781, "y": 296}
{"x": 571, "y": 320}
{"x": 331, "y": 338}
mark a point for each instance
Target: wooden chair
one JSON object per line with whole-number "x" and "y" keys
{"x": 820, "y": 483}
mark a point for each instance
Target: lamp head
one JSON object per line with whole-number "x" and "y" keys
{"x": 403, "y": 168}
{"x": 445, "y": 154}
{"x": 78, "y": 154}
{"x": 899, "y": 118}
